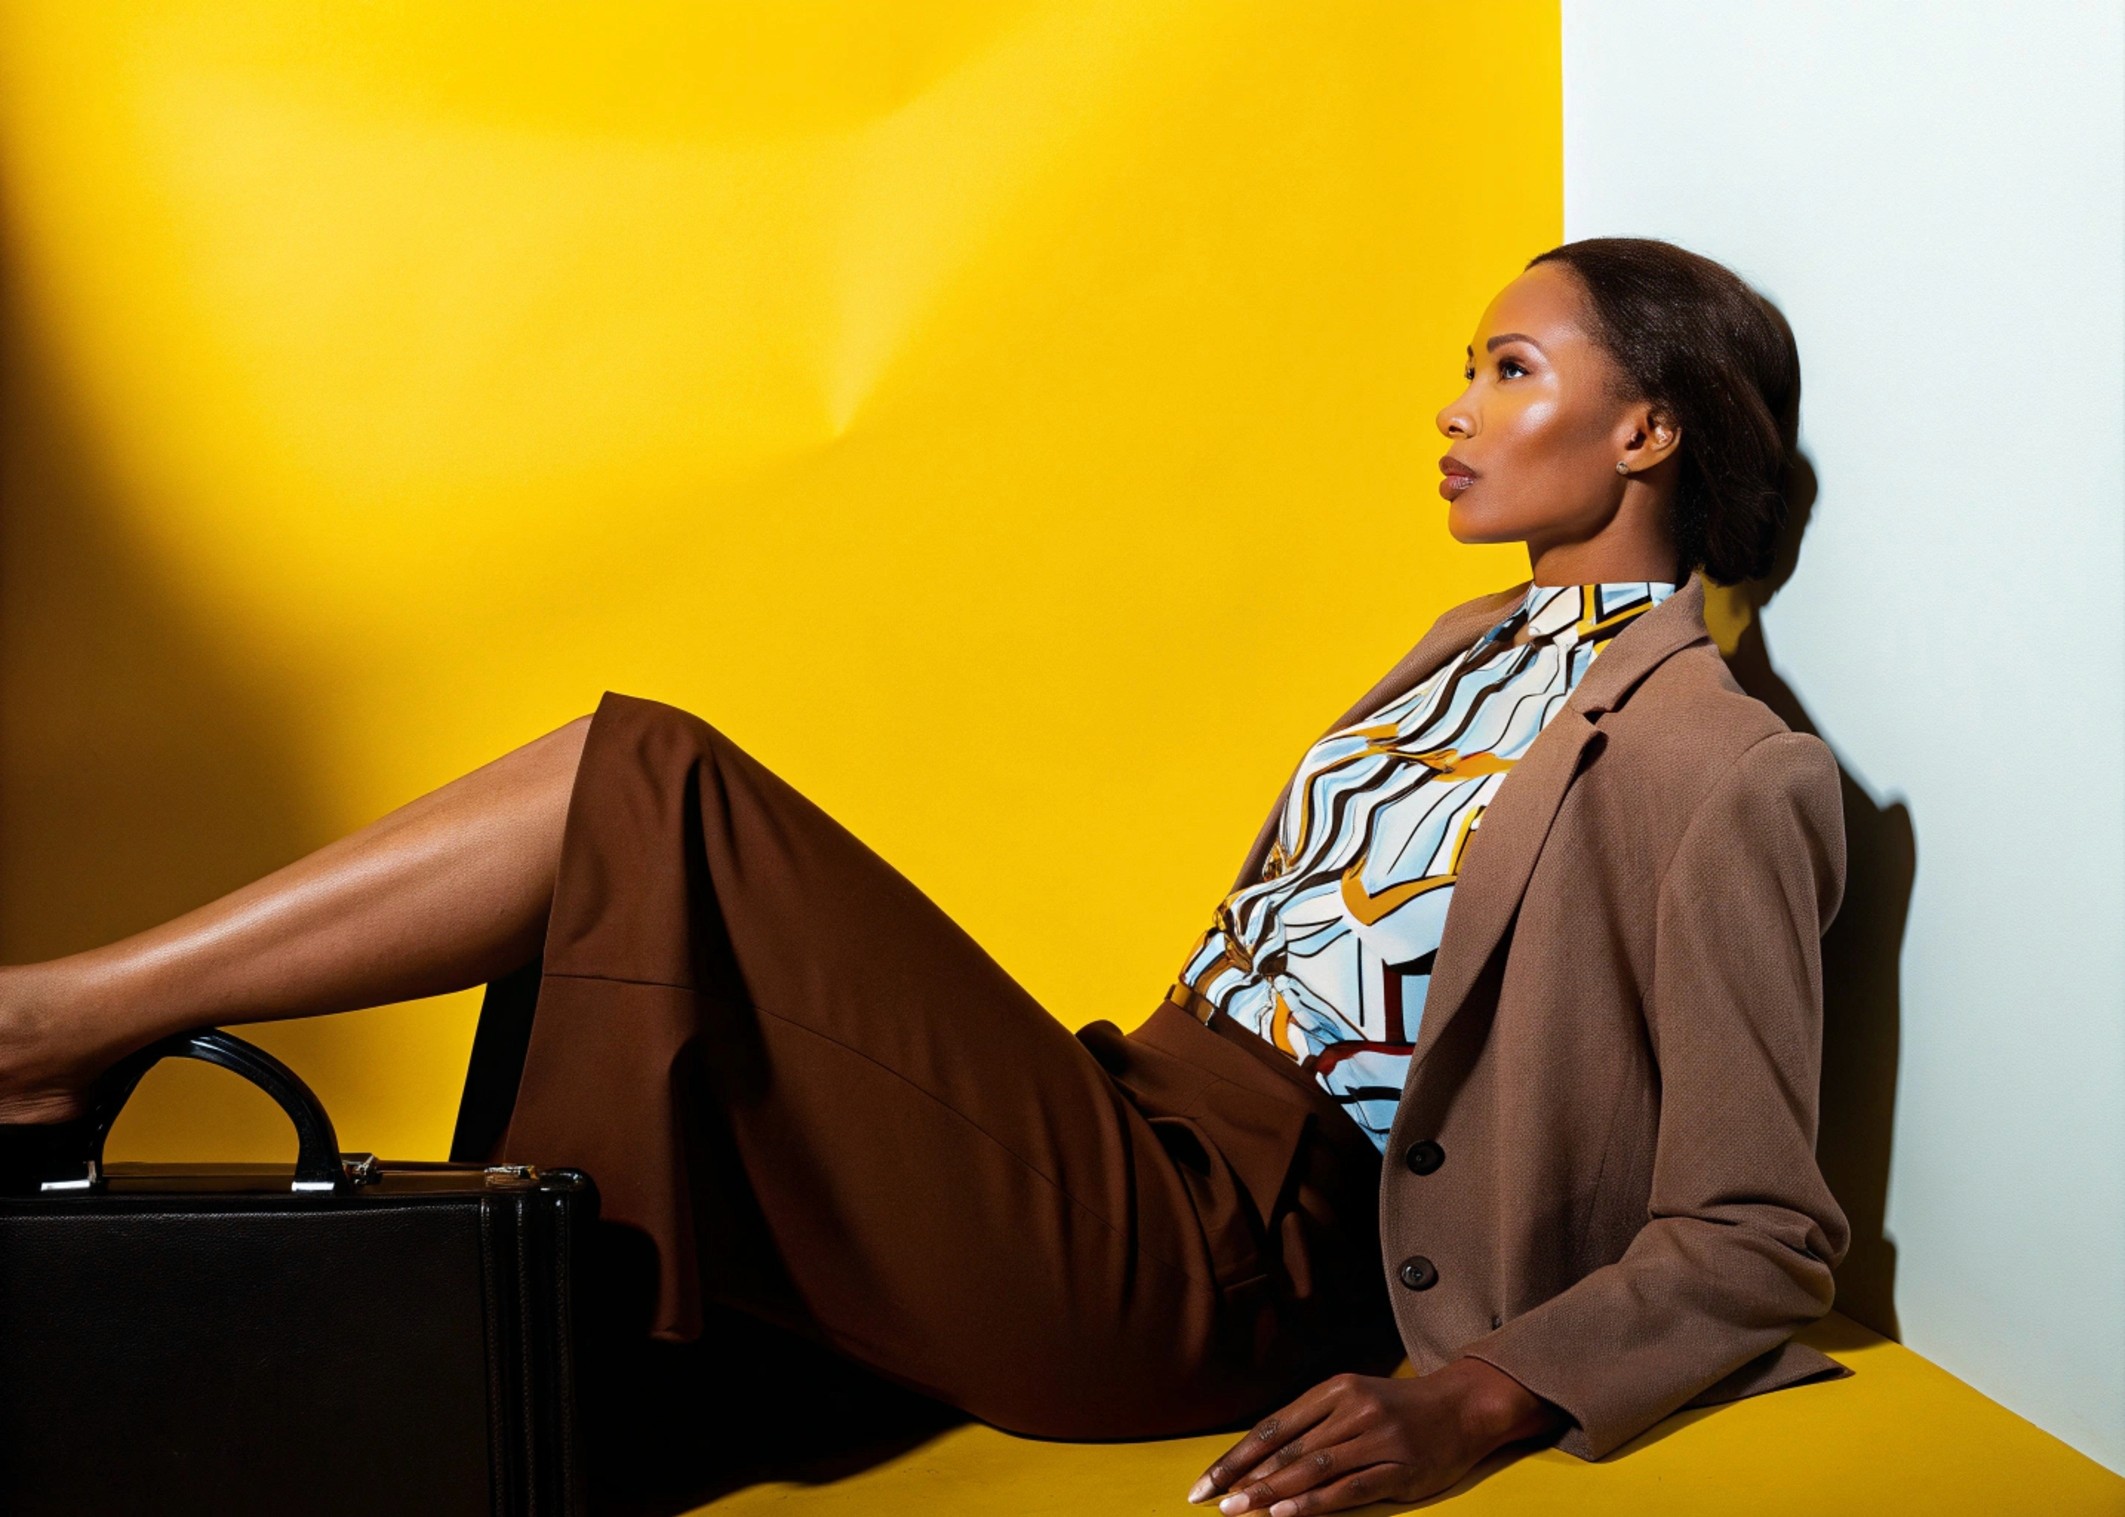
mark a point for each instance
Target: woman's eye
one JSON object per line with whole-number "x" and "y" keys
{"x": 1508, "y": 367}
{"x": 1469, "y": 374}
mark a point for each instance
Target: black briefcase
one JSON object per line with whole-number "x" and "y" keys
{"x": 364, "y": 1337}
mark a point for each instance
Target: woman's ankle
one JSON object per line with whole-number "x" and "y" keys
{"x": 55, "y": 1039}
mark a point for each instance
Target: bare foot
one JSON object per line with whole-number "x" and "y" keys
{"x": 46, "y": 1065}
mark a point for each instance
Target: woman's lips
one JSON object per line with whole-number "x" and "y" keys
{"x": 1458, "y": 477}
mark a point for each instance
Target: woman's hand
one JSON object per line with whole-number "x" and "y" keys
{"x": 1360, "y": 1438}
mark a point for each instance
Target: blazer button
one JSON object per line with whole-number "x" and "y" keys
{"x": 1423, "y": 1156}
{"x": 1417, "y": 1273}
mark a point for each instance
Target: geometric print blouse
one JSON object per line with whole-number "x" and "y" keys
{"x": 1329, "y": 954}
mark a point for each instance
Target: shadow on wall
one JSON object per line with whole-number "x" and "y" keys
{"x": 139, "y": 777}
{"x": 1862, "y": 955}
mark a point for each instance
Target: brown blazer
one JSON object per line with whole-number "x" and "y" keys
{"x": 1602, "y": 1176}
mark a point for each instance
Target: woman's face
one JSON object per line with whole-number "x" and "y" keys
{"x": 1536, "y": 435}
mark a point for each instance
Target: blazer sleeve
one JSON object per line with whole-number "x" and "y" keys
{"x": 1741, "y": 1231}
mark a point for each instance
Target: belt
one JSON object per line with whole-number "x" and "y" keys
{"x": 1187, "y": 999}
{"x": 1207, "y": 1012}
{"x": 1339, "y": 1124}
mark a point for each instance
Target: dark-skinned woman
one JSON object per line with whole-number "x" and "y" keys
{"x": 1500, "y": 1053}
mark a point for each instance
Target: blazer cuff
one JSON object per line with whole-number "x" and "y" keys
{"x": 1590, "y": 1438}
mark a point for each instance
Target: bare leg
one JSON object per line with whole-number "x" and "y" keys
{"x": 446, "y": 892}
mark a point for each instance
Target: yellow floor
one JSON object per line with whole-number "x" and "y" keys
{"x": 1900, "y": 1436}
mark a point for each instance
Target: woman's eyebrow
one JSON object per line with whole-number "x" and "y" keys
{"x": 1504, "y": 337}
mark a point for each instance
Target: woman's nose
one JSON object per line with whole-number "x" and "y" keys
{"x": 1453, "y": 421}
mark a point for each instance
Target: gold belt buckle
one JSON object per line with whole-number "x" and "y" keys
{"x": 1190, "y": 1001}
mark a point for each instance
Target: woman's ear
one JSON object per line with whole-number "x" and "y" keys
{"x": 1654, "y": 436}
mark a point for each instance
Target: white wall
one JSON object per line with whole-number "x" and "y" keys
{"x": 1933, "y": 194}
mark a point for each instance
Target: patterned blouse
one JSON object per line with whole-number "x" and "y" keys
{"x": 1329, "y": 955}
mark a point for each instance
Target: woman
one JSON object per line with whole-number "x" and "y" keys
{"x": 804, "y": 1092}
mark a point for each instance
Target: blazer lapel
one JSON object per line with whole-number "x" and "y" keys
{"x": 1495, "y": 870}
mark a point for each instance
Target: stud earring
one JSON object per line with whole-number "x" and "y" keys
{"x": 1622, "y": 467}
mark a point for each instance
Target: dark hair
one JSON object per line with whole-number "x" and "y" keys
{"x": 1690, "y": 335}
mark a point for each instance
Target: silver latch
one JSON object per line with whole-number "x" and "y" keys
{"x": 90, "y": 1179}
{"x": 362, "y": 1169}
{"x": 505, "y": 1174}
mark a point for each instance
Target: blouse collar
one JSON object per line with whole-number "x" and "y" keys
{"x": 1568, "y": 614}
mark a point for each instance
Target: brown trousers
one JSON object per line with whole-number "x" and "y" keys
{"x": 804, "y": 1092}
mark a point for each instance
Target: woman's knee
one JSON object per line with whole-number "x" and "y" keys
{"x": 642, "y": 714}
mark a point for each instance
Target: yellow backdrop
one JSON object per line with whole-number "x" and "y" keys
{"x": 1011, "y": 422}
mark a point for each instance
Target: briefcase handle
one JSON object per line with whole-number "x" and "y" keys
{"x": 318, "y": 1167}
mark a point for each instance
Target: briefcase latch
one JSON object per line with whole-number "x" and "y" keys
{"x": 512, "y": 1174}
{"x": 91, "y": 1179}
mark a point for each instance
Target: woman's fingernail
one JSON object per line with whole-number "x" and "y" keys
{"x": 1233, "y": 1504}
{"x": 1200, "y": 1491}
{"x": 1283, "y": 1509}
